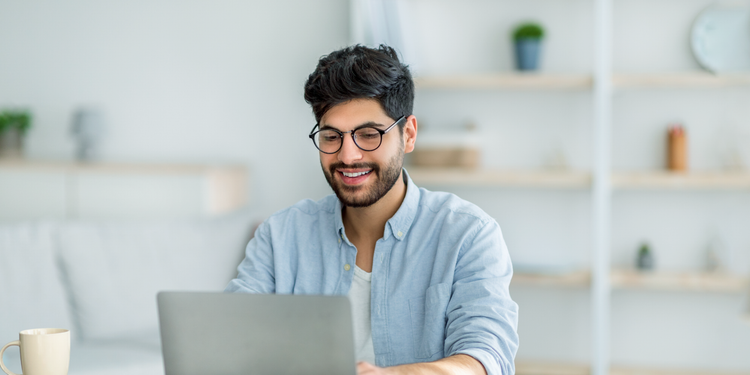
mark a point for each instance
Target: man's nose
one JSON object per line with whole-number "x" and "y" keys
{"x": 349, "y": 152}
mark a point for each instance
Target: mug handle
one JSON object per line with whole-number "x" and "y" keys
{"x": 2, "y": 365}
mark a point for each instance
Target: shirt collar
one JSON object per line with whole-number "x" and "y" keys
{"x": 400, "y": 223}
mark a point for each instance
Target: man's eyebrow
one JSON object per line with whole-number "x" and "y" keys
{"x": 366, "y": 124}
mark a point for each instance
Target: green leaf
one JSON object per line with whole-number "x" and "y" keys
{"x": 3, "y": 121}
{"x": 528, "y": 30}
{"x": 19, "y": 119}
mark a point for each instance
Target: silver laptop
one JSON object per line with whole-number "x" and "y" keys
{"x": 232, "y": 334}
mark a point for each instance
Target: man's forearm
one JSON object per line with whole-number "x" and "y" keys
{"x": 459, "y": 364}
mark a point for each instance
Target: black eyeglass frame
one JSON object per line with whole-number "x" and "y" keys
{"x": 382, "y": 133}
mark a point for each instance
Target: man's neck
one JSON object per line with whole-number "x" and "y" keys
{"x": 368, "y": 223}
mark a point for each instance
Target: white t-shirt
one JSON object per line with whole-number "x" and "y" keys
{"x": 359, "y": 296}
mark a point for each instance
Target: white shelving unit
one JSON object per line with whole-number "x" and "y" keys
{"x": 601, "y": 86}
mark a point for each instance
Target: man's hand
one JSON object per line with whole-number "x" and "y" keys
{"x": 458, "y": 364}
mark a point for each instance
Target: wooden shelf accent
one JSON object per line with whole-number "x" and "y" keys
{"x": 633, "y": 279}
{"x": 223, "y": 188}
{"x": 698, "y": 79}
{"x": 544, "y": 368}
{"x": 506, "y": 81}
{"x": 500, "y": 178}
{"x": 570, "y": 279}
{"x": 681, "y": 180}
{"x": 678, "y": 281}
{"x": 617, "y": 370}
{"x": 119, "y": 168}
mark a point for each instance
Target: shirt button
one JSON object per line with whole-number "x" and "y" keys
{"x": 399, "y": 234}
{"x": 347, "y": 267}
{"x": 339, "y": 240}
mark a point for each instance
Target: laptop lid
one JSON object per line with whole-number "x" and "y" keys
{"x": 236, "y": 333}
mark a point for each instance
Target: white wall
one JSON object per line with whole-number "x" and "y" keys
{"x": 179, "y": 81}
{"x": 221, "y": 81}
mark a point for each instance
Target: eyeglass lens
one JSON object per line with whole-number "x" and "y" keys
{"x": 330, "y": 141}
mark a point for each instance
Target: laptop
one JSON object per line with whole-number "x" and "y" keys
{"x": 248, "y": 334}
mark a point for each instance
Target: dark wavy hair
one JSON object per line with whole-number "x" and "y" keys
{"x": 359, "y": 72}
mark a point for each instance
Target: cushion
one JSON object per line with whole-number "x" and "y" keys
{"x": 31, "y": 291}
{"x": 116, "y": 269}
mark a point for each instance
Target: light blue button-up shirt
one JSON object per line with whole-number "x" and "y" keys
{"x": 440, "y": 275}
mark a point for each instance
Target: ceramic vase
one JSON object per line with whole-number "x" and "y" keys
{"x": 11, "y": 143}
{"x": 528, "y": 51}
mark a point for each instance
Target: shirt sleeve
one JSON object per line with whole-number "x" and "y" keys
{"x": 482, "y": 319}
{"x": 255, "y": 274}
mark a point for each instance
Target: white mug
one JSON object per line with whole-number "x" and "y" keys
{"x": 44, "y": 351}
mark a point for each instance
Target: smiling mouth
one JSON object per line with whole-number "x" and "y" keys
{"x": 356, "y": 174}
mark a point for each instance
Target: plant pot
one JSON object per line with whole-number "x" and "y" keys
{"x": 11, "y": 143}
{"x": 645, "y": 260}
{"x": 527, "y": 53}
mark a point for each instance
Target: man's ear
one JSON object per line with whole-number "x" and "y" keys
{"x": 410, "y": 134}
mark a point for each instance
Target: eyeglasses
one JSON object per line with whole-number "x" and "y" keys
{"x": 367, "y": 138}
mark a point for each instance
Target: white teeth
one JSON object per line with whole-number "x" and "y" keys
{"x": 355, "y": 174}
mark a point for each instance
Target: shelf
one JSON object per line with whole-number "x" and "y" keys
{"x": 500, "y": 178}
{"x": 632, "y": 279}
{"x": 681, "y": 180}
{"x": 544, "y": 368}
{"x": 582, "y": 81}
{"x": 678, "y": 281}
{"x": 616, "y": 370}
{"x": 569, "y": 279}
{"x": 506, "y": 81}
{"x": 119, "y": 168}
{"x": 681, "y": 80}
{"x": 103, "y": 190}
{"x": 702, "y": 180}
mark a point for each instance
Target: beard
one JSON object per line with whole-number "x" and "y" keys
{"x": 385, "y": 178}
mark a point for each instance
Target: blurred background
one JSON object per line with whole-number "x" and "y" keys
{"x": 628, "y": 124}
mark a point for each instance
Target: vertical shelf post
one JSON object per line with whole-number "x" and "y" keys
{"x": 601, "y": 188}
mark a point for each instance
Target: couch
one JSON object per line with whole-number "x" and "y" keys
{"x": 100, "y": 280}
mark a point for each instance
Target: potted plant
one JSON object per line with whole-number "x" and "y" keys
{"x": 527, "y": 38}
{"x": 13, "y": 126}
{"x": 645, "y": 259}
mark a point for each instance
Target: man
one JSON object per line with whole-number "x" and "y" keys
{"x": 426, "y": 272}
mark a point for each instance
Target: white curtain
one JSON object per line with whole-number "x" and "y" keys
{"x": 375, "y": 22}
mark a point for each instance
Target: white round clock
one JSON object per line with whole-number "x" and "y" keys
{"x": 720, "y": 37}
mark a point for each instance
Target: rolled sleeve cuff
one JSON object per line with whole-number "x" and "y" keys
{"x": 491, "y": 366}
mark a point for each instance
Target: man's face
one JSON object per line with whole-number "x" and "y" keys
{"x": 360, "y": 178}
